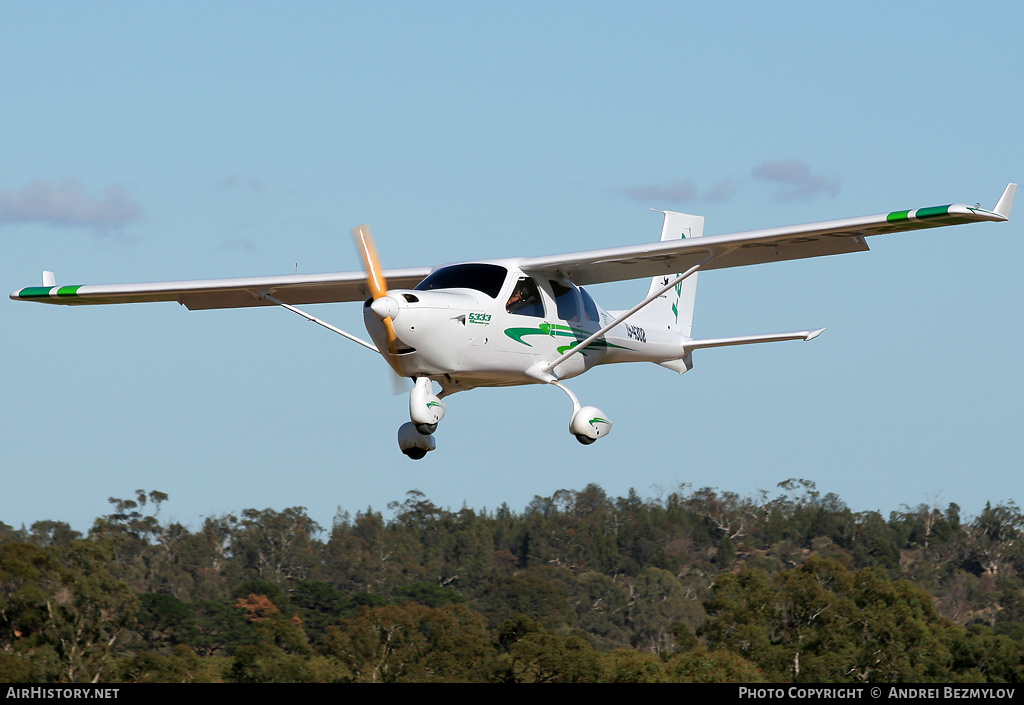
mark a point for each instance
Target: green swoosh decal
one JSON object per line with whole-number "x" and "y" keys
{"x": 552, "y": 330}
{"x": 517, "y": 334}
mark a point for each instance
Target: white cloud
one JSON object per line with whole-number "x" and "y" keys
{"x": 796, "y": 178}
{"x": 67, "y": 205}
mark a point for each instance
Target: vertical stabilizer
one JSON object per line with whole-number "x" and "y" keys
{"x": 673, "y": 310}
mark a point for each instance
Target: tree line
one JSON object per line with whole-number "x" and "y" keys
{"x": 695, "y": 586}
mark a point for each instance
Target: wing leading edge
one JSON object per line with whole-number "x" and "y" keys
{"x": 225, "y": 293}
{"x": 831, "y": 237}
{"x": 592, "y": 267}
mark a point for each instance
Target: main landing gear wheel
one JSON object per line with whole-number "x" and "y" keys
{"x": 588, "y": 423}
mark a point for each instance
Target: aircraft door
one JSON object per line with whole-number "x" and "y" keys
{"x": 577, "y": 319}
{"x": 525, "y": 329}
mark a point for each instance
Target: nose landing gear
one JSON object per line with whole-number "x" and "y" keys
{"x": 414, "y": 444}
{"x": 425, "y": 411}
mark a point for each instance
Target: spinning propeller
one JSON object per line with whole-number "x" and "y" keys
{"x": 383, "y": 306}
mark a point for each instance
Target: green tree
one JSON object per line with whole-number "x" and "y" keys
{"x": 413, "y": 643}
{"x": 538, "y": 593}
{"x": 822, "y": 623}
{"x": 703, "y": 666}
{"x": 62, "y": 609}
{"x": 276, "y": 546}
{"x": 657, "y": 601}
{"x": 532, "y": 654}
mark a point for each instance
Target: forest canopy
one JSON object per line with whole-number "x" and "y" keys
{"x": 696, "y": 586}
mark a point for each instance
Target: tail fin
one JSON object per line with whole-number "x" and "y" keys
{"x": 674, "y": 309}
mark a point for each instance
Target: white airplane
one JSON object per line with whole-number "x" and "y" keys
{"x": 528, "y": 320}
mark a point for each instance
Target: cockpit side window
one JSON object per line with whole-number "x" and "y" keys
{"x": 589, "y": 307}
{"x": 485, "y": 278}
{"x": 566, "y": 302}
{"x": 525, "y": 299}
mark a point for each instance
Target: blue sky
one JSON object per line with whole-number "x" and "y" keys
{"x": 154, "y": 141}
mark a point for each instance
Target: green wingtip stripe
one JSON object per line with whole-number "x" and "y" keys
{"x": 919, "y": 214}
{"x": 34, "y": 292}
{"x": 45, "y": 292}
{"x": 932, "y": 212}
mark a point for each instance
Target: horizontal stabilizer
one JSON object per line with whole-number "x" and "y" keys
{"x": 748, "y": 339}
{"x": 685, "y": 362}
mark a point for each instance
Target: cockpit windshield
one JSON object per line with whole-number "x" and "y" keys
{"x": 485, "y": 278}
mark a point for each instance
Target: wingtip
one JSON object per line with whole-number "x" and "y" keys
{"x": 1005, "y": 204}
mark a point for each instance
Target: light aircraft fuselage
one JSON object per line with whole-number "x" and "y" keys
{"x": 490, "y": 324}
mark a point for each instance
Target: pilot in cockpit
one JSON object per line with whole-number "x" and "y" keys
{"x": 525, "y": 299}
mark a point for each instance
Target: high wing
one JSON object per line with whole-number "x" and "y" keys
{"x": 593, "y": 267}
{"x": 226, "y": 293}
{"x": 831, "y": 237}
